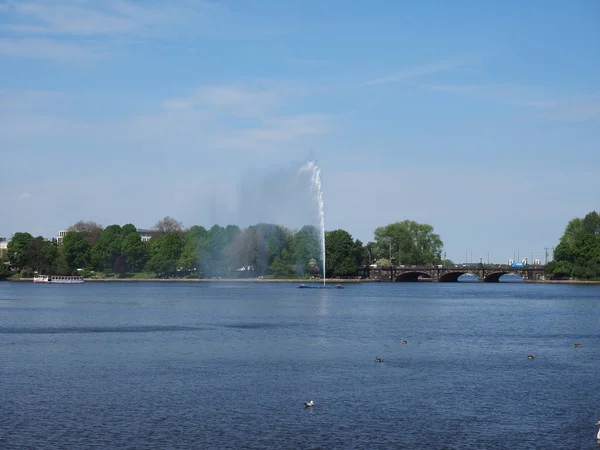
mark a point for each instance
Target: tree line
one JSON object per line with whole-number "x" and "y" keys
{"x": 266, "y": 250}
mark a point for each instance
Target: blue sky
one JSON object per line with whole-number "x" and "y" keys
{"x": 479, "y": 118}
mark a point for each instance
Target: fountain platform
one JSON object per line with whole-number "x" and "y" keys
{"x": 306, "y": 286}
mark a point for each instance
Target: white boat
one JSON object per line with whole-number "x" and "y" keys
{"x": 58, "y": 279}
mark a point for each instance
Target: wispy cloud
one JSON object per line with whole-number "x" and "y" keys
{"x": 550, "y": 106}
{"x": 87, "y": 18}
{"x": 50, "y": 49}
{"x": 238, "y": 117}
{"x": 414, "y": 72}
{"x": 83, "y": 29}
{"x": 277, "y": 131}
{"x": 24, "y": 196}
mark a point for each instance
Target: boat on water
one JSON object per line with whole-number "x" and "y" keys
{"x": 58, "y": 279}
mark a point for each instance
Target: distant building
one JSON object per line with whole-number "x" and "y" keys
{"x": 146, "y": 235}
{"x": 3, "y": 246}
{"x": 60, "y": 237}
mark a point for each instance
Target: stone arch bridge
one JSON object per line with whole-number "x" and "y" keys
{"x": 487, "y": 273}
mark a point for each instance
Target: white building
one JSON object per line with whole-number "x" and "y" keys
{"x": 60, "y": 237}
{"x": 3, "y": 246}
{"x": 146, "y": 235}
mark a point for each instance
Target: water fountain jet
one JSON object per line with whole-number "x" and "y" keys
{"x": 317, "y": 187}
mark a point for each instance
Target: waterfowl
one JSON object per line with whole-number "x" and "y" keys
{"x": 576, "y": 345}
{"x": 598, "y": 436}
{"x": 530, "y": 356}
{"x": 378, "y": 359}
{"x": 309, "y": 404}
{"x": 404, "y": 341}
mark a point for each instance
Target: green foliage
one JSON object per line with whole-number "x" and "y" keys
{"x": 4, "y": 267}
{"x": 259, "y": 250}
{"x": 41, "y": 254}
{"x": 128, "y": 229}
{"x": 17, "y": 251}
{"x": 134, "y": 251}
{"x": 578, "y": 253}
{"x": 408, "y": 242}
{"x": 165, "y": 251}
{"x": 108, "y": 249}
{"x": 28, "y": 255}
{"x": 343, "y": 255}
{"x": 194, "y": 249}
{"x": 307, "y": 249}
{"x": 75, "y": 251}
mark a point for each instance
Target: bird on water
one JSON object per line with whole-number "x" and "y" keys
{"x": 378, "y": 359}
{"x": 530, "y": 356}
{"x": 309, "y": 404}
{"x": 403, "y": 341}
{"x": 598, "y": 435}
{"x": 576, "y": 345}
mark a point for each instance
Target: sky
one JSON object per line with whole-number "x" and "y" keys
{"x": 481, "y": 119}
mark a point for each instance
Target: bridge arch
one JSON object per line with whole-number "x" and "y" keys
{"x": 452, "y": 277}
{"x": 494, "y": 277}
{"x": 412, "y": 276}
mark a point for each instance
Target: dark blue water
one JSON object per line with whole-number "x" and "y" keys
{"x": 169, "y": 365}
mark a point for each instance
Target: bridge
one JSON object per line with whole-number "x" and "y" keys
{"x": 487, "y": 273}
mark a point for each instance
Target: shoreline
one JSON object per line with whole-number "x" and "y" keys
{"x": 282, "y": 280}
{"x": 563, "y": 281}
{"x": 208, "y": 280}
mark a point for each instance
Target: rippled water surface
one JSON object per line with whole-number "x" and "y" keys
{"x": 217, "y": 365}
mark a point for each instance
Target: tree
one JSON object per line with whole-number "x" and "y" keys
{"x": 193, "y": 250}
{"x": 578, "y": 253}
{"x": 165, "y": 252}
{"x": 90, "y": 230}
{"x": 75, "y": 251}
{"x": 41, "y": 254}
{"x": 342, "y": 255}
{"x": 307, "y": 249}
{"x": 108, "y": 248}
{"x": 128, "y": 229}
{"x": 135, "y": 252}
{"x": 168, "y": 225}
{"x": 409, "y": 242}
{"x": 17, "y": 251}
{"x": 218, "y": 251}
{"x": 4, "y": 266}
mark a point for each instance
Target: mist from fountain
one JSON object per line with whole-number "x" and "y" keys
{"x": 317, "y": 188}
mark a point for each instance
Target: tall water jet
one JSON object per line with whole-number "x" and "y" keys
{"x": 317, "y": 187}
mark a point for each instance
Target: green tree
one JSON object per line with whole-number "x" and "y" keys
{"x": 342, "y": 254}
{"x": 307, "y": 249}
{"x": 75, "y": 251}
{"x": 193, "y": 252}
{"x": 165, "y": 251}
{"x": 128, "y": 229}
{"x": 135, "y": 252}
{"x": 17, "y": 251}
{"x": 409, "y": 242}
{"x": 41, "y": 254}
{"x": 108, "y": 248}
{"x": 4, "y": 266}
{"x": 578, "y": 253}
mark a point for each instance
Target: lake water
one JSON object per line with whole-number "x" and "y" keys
{"x": 229, "y": 365}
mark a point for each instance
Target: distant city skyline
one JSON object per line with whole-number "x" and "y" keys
{"x": 481, "y": 120}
